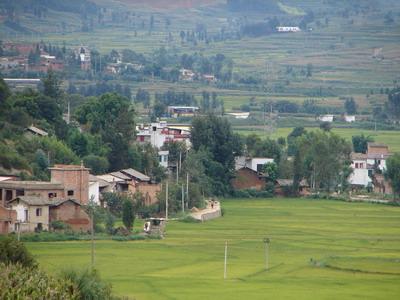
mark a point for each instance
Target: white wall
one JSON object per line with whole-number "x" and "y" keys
{"x": 258, "y": 161}
{"x": 94, "y": 192}
{"x": 360, "y": 177}
{"x": 20, "y": 209}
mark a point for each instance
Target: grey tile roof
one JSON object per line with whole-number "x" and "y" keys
{"x": 136, "y": 174}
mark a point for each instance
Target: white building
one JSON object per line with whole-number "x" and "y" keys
{"x": 326, "y": 118}
{"x": 253, "y": 163}
{"x": 288, "y": 29}
{"x": 163, "y": 158}
{"x": 362, "y": 171}
{"x": 364, "y": 165}
{"x": 349, "y": 119}
{"x": 241, "y": 115}
{"x": 157, "y": 134}
{"x": 94, "y": 189}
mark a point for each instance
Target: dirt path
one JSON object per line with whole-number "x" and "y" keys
{"x": 212, "y": 211}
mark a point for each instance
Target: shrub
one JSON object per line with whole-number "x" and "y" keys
{"x": 59, "y": 225}
{"x": 87, "y": 284}
{"x": 12, "y": 251}
{"x": 17, "y": 282}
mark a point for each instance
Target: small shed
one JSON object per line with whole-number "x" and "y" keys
{"x": 155, "y": 226}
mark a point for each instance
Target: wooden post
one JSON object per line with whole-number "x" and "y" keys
{"x": 226, "y": 255}
{"x": 183, "y": 200}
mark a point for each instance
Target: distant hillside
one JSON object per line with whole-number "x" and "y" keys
{"x": 171, "y": 4}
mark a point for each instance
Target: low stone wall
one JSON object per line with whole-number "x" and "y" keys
{"x": 211, "y": 215}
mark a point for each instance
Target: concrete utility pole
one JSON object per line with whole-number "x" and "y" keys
{"x": 266, "y": 242}
{"x": 226, "y": 256}
{"x": 166, "y": 201}
{"x": 183, "y": 200}
{"x": 187, "y": 188}
{"x": 92, "y": 236}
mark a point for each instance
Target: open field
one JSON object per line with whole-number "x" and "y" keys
{"x": 319, "y": 250}
{"x": 389, "y": 137}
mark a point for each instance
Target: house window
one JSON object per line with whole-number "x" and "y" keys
{"x": 38, "y": 212}
{"x": 52, "y": 195}
{"x": 259, "y": 167}
{"x": 1, "y": 194}
{"x": 361, "y": 165}
{"x": 356, "y": 165}
{"x": 26, "y": 215}
{"x": 20, "y": 193}
{"x": 70, "y": 193}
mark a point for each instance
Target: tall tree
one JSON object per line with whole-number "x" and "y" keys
{"x": 350, "y": 106}
{"x": 360, "y": 143}
{"x": 393, "y": 172}
{"x": 326, "y": 158}
{"x": 128, "y": 214}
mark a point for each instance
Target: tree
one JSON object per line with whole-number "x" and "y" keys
{"x": 393, "y": 105}
{"x": 97, "y": 164}
{"x": 52, "y": 85}
{"x": 393, "y": 172}
{"x": 128, "y": 214}
{"x": 271, "y": 169}
{"x": 309, "y": 70}
{"x": 325, "y": 157}
{"x": 214, "y": 135}
{"x": 350, "y": 106}
{"x": 325, "y": 126}
{"x": 360, "y": 143}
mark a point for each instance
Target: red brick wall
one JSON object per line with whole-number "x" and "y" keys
{"x": 72, "y": 214}
{"x": 5, "y": 217}
{"x": 247, "y": 179}
{"x": 73, "y": 178}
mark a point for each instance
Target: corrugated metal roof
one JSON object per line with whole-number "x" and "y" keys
{"x": 120, "y": 175}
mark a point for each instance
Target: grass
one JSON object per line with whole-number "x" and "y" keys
{"x": 319, "y": 250}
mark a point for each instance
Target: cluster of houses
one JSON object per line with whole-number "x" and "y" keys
{"x": 28, "y": 206}
{"x": 19, "y": 58}
{"x": 189, "y": 75}
{"x": 330, "y": 118}
{"x": 367, "y": 173}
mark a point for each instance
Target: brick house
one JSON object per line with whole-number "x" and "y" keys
{"x": 74, "y": 179}
{"x": 8, "y": 217}
{"x": 70, "y": 212}
{"x": 247, "y": 178}
{"x": 142, "y": 183}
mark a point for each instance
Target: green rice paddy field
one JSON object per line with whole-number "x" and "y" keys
{"x": 319, "y": 250}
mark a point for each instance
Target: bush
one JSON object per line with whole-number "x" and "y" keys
{"x": 17, "y": 282}
{"x": 59, "y": 225}
{"x": 87, "y": 284}
{"x": 12, "y": 251}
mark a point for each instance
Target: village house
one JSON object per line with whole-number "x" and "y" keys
{"x": 283, "y": 186}
{"x": 129, "y": 182}
{"x": 8, "y": 218}
{"x": 186, "y": 75}
{"x": 182, "y": 111}
{"x": 368, "y": 168}
{"x": 32, "y": 213}
{"x": 70, "y": 212}
{"x": 157, "y": 134}
{"x": 34, "y": 200}
{"x": 326, "y": 118}
{"x": 67, "y": 181}
{"x": 82, "y": 54}
{"x": 209, "y": 78}
{"x": 249, "y": 173}
{"x": 288, "y": 29}
{"x": 349, "y": 119}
